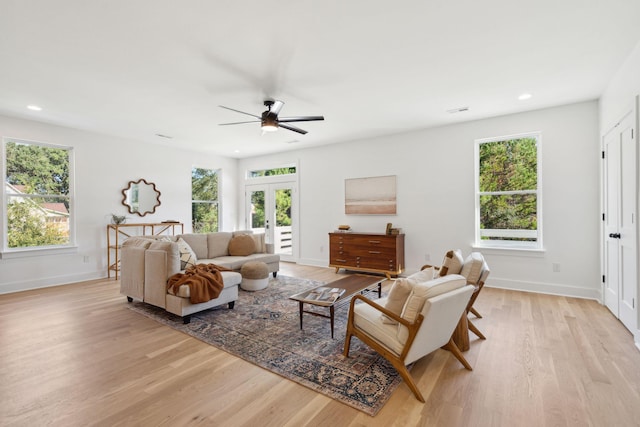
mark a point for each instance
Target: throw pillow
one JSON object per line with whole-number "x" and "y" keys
{"x": 452, "y": 263}
{"x": 398, "y": 295}
{"x": 242, "y": 245}
{"x": 187, "y": 256}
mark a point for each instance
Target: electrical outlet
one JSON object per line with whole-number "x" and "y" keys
{"x": 556, "y": 267}
{"x": 321, "y": 248}
{"x": 85, "y": 259}
{"x": 427, "y": 257}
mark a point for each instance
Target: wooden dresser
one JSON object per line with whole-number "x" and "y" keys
{"x": 370, "y": 252}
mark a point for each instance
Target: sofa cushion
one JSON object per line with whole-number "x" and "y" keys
{"x": 242, "y": 245}
{"x": 452, "y": 263}
{"x": 187, "y": 257}
{"x": 218, "y": 244}
{"x": 197, "y": 243}
{"x": 258, "y": 238}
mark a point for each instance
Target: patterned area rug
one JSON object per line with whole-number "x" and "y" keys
{"x": 264, "y": 329}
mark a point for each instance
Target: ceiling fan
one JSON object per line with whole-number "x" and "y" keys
{"x": 269, "y": 119}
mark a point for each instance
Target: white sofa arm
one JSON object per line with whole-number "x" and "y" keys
{"x": 155, "y": 277}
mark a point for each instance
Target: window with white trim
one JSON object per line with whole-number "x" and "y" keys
{"x": 509, "y": 192}
{"x": 204, "y": 200}
{"x": 38, "y": 193}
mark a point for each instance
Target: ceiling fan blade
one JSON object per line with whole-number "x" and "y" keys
{"x": 238, "y": 123}
{"x": 238, "y": 111}
{"x": 276, "y": 107}
{"x": 293, "y": 128}
{"x": 300, "y": 119}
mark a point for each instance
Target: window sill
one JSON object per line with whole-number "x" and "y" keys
{"x": 30, "y": 252}
{"x": 510, "y": 251}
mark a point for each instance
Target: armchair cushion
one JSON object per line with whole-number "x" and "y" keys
{"x": 472, "y": 267}
{"x": 400, "y": 291}
{"x": 367, "y": 318}
{"x": 424, "y": 275}
{"x": 423, "y": 291}
{"x": 187, "y": 256}
{"x": 452, "y": 263}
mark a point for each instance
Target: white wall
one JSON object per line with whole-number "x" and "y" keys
{"x": 435, "y": 178}
{"x": 103, "y": 167}
{"x": 617, "y": 100}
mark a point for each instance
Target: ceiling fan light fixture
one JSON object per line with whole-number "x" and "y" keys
{"x": 269, "y": 124}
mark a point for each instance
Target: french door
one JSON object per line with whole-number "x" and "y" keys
{"x": 272, "y": 209}
{"x": 620, "y": 222}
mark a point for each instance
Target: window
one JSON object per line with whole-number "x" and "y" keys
{"x": 287, "y": 170}
{"x": 204, "y": 197}
{"x": 508, "y": 192}
{"x": 37, "y": 208}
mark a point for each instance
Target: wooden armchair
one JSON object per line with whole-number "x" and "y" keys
{"x": 427, "y": 320}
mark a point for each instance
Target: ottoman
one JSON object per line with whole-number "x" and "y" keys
{"x": 255, "y": 276}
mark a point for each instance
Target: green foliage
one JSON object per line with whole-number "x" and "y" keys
{"x": 27, "y": 228}
{"x": 257, "y": 209}
{"x": 509, "y": 165}
{"x": 283, "y": 208}
{"x": 272, "y": 172}
{"x": 204, "y": 193}
{"x": 43, "y": 170}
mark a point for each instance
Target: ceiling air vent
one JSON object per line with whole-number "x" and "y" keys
{"x": 458, "y": 110}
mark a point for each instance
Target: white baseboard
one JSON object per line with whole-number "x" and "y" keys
{"x": 545, "y": 288}
{"x": 516, "y": 285}
{"x": 7, "y": 288}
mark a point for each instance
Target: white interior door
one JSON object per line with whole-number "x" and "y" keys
{"x": 272, "y": 209}
{"x": 620, "y": 222}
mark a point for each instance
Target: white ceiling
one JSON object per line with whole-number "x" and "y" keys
{"x": 137, "y": 68}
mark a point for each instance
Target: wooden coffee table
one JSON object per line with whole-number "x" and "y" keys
{"x": 351, "y": 284}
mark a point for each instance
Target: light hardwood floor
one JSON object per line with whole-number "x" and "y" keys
{"x": 75, "y": 356}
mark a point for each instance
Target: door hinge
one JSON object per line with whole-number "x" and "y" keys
{"x": 603, "y": 217}
{"x": 603, "y": 281}
{"x": 603, "y": 154}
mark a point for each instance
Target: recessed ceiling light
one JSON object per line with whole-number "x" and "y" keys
{"x": 525, "y": 96}
{"x": 236, "y": 151}
{"x": 34, "y": 108}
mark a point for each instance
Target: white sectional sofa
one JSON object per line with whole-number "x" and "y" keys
{"x": 148, "y": 262}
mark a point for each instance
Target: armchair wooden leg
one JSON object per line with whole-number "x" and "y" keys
{"x": 475, "y": 330}
{"x": 453, "y": 348}
{"x": 406, "y": 376}
{"x": 475, "y": 312}
{"x": 347, "y": 344}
